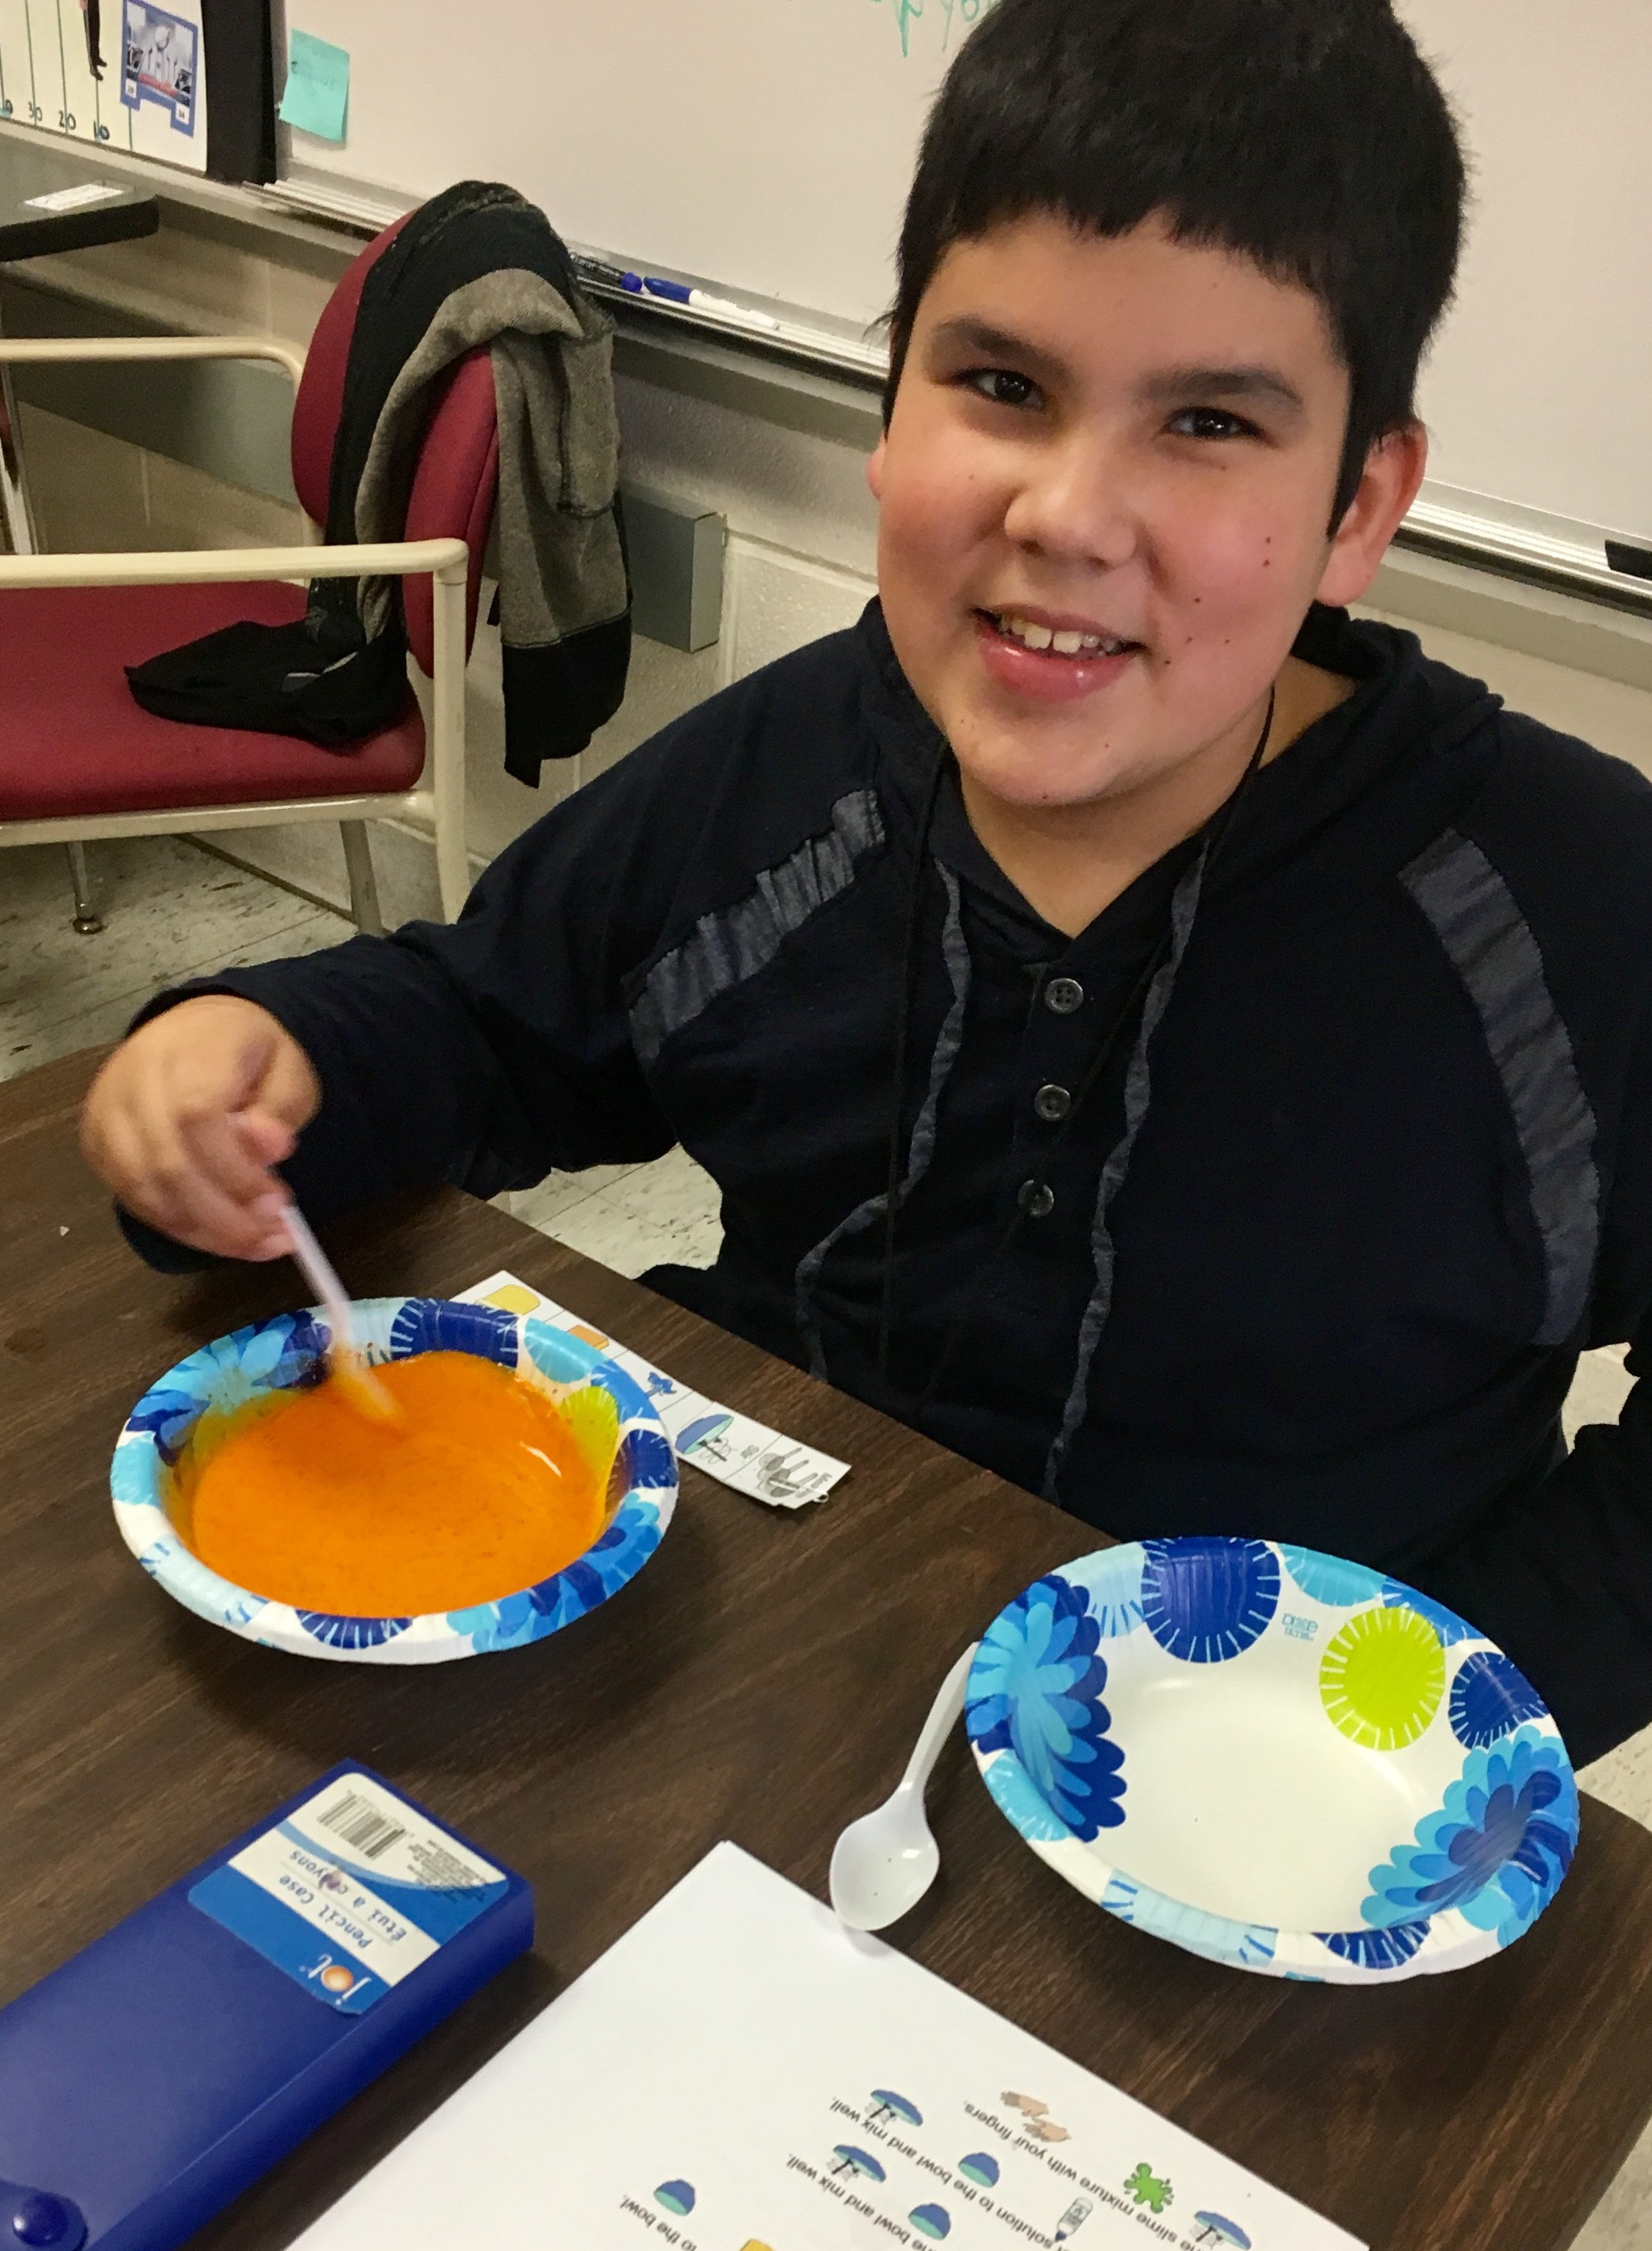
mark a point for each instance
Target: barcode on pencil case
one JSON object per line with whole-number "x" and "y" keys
{"x": 360, "y": 1825}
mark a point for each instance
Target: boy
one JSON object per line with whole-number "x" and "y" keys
{"x": 1175, "y": 1045}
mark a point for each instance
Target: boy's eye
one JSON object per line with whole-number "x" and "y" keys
{"x": 1210, "y": 422}
{"x": 1002, "y": 386}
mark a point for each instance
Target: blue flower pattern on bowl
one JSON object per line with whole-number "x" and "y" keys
{"x": 1218, "y": 1938}
{"x": 1451, "y": 1628}
{"x": 1013, "y": 1793}
{"x": 1376, "y": 1950}
{"x": 1495, "y": 1851}
{"x": 290, "y": 1350}
{"x": 1331, "y": 1579}
{"x": 1490, "y": 1699}
{"x": 273, "y": 1355}
{"x": 1207, "y": 1600}
{"x": 617, "y": 1556}
{"x": 351, "y": 1632}
{"x": 1116, "y": 1592}
{"x": 1482, "y": 1866}
{"x": 650, "y": 1461}
{"x": 1034, "y": 1690}
{"x": 440, "y": 1325}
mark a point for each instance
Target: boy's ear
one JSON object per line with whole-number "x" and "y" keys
{"x": 1394, "y": 470}
{"x": 874, "y": 469}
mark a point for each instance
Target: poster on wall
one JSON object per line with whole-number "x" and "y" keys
{"x": 123, "y": 75}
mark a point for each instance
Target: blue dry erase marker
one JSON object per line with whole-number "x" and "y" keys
{"x": 698, "y": 301}
{"x": 594, "y": 269}
{"x": 675, "y": 292}
{"x": 639, "y": 284}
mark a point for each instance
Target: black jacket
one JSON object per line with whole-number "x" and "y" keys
{"x": 1366, "y": 1169}
{"x": 477, "y": 266}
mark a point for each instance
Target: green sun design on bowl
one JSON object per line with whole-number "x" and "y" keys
{"x": 1382, "y": 1678}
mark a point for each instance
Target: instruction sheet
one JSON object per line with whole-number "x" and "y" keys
{"x": 740, "y": 2073}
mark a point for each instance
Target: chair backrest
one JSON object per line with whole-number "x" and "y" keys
{"x": 458, "y": 474}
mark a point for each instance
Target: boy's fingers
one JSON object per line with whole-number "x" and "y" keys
{"x": 191, "y": 1174}
{"x": 267, "y": 1139}
{"x": 289, "y": 1091}
{"x": 223, "y": 1157}
{"x": 186, "y": 1118}
{"x": 160, "y": 1181}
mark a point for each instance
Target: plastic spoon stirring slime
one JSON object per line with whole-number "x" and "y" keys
{"x": 882, "y": 1864}
{"x": 345, "y": 1361}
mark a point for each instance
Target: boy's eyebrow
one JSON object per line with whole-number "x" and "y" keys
{"x": 967, "y": 332}
{"x": 1265, "y": 384}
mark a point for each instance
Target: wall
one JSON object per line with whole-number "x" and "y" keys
{"x": 780, "y": 455}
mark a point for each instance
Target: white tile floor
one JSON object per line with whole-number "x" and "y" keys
{"x": 173, "y": 911}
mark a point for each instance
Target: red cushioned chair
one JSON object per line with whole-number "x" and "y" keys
{"x": 80, "y": 759}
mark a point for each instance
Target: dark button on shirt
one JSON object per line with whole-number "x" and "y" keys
{"x": 1062, "y": 995}
{"x": 1036, "y": 1198}
{"x": 1052, "y": 1104}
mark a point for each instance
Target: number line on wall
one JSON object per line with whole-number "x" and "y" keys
{"x": 34, "y": 93}
{"x": 65, "y": 115}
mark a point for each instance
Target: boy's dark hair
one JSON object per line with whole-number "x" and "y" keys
{"x": 1309, "y": 135}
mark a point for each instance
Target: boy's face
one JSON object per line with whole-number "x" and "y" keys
{"x": 1135, "y": 441}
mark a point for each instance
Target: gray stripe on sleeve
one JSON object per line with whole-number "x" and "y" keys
{"x": 1473, "y": 915}
{"x": 726, "y": 948}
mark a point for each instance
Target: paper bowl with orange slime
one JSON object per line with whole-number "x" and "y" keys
{"x": 405, "y": 1568}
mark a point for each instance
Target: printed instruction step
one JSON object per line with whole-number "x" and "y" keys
{"x": 739, "y": 2073}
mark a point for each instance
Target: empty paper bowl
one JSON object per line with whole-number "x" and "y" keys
{"x": 289, "y": 1352}
{"x": 1274, "y": 1758}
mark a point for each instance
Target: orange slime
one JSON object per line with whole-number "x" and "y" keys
{"x": 481, "y": 1490}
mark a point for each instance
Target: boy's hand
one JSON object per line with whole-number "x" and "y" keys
{"x": 189, "y": 1114}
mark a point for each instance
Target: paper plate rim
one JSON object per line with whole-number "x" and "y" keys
{"x": 1450, "y": 1938}
{"x": 283, "y": 1352}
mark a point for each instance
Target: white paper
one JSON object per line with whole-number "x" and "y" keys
{"x": 729, "y": 1447}
{"x": 63, "y": 199}
{"x": 701, "y": 2085}
{"x": 146, "y": 96}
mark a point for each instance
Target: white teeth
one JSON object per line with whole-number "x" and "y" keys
{"x": 1067, "y": 643}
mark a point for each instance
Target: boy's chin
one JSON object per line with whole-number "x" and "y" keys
{"x": 1042, "y": 780}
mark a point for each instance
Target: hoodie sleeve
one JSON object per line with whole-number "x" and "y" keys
{"x": 488, "y": 1052}
{"x": 1561, "y": 1578}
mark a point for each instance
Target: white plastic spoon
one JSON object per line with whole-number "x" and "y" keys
{"x": 882, "y": 1864}
{"x": 345, "y": 1361}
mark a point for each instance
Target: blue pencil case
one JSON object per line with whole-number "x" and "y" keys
{"x": 173, "y": 2061}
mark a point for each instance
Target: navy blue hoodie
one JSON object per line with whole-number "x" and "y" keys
{"x": 1366, "y": 1160}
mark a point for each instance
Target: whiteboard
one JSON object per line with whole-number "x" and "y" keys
{"x": 1537, "y": 394}
{"x": 764, "y": 144}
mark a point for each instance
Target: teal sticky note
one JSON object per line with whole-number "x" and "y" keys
{"x": 318, "y": 87}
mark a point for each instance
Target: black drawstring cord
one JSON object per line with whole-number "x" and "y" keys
{"x": 902, "y": 1038}
{"x": 1219, "y": 829}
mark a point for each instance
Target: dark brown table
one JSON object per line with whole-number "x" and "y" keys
{"x": 762, "y": 1680}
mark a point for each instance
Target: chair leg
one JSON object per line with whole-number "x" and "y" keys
{"x": 15, "y": 514}
{"x": 87, "y": 920}
{"x": 358, "y": 863}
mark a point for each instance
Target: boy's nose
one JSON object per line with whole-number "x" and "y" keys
{"x": 1074, "y": 504}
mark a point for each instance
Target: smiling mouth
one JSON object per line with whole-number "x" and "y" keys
{"x": 1048, "y": 640}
